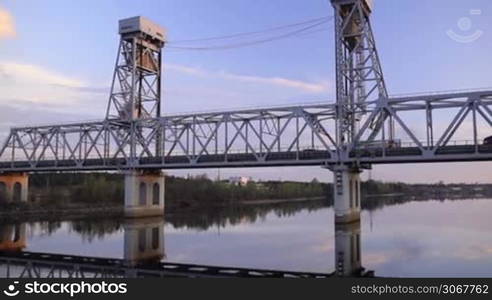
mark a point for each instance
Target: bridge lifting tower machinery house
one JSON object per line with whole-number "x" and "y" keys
{"x": 347, "y": 136}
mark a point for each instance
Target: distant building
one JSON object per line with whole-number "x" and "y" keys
{"x": 240, "y": 180}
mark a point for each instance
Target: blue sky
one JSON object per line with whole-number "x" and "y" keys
{"x": 57, "y": 61}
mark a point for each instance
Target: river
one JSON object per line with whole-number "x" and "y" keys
{"x": 450, "y": 238}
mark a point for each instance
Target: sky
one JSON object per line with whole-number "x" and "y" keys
{"x": 57, "y": 59}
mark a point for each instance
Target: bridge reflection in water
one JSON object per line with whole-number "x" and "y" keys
{"x": 143, "y": 254}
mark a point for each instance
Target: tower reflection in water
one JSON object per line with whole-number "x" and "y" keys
{"x": 143, "y": 241}
{"x": 348, "y": 260}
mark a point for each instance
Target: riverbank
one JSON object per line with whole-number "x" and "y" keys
{"x": 180, "y": 193}
{"x": 384, "y": 195}
{"x": 33, "y": 213}
{"x": 26, "y": 214}
{"x": 86, "y": 195}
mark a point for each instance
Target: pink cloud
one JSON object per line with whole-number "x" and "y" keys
{"x": 7, "y": 27}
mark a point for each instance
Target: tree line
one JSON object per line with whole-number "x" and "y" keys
{"x": 107, "y": 189}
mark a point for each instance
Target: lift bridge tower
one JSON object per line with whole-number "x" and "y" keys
{"x": 136, "y": 95}
{"x": 136, "y": 87}
{"x": 359, "y": 81}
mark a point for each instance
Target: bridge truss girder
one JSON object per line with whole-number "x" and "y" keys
{"x": 295, "y": 135}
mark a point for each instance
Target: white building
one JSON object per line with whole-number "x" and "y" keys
{"x": 240, "y": 180}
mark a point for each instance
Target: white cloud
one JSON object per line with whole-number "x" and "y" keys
{"x": 7, "y": 28}
{"x": 303, "y": 86}
{"x": 36, "y": 75}
{"x": 25, "y": 85}
{"x": 185, "y": 70}
{"x": 279, "y": 81}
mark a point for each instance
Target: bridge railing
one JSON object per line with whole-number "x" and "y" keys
{"x": 412, "y": 144}
{"x": 444, "y": 92}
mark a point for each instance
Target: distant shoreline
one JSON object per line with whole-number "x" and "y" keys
{"x": 60, "y": 214}
{"x": 117, "y": 211}
{"x": 384, "y": 195}
{"x": 36, "y": 214}
{"x": 274, "y": 201}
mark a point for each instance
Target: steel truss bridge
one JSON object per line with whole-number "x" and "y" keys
{"x": 364, "y": 126}
{"x": 280, "y": 136}
{"x": 45, "y": 265}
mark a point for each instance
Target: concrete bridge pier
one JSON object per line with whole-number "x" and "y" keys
{"x": 346, "y": 191}
{"x": 144, "y": 193}
{"x": 14, "y": 187}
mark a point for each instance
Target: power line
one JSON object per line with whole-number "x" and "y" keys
{"x": 303, "y": 31}
{"x": 243, "y": 34}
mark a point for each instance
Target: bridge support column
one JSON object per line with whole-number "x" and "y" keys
{"x": 346, "y": 193}
{"x": 144, "y": 194}
{"x": 14, "y": 187}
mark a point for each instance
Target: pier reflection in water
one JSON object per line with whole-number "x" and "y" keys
{"x": 347, "y": 249}
{"x": 13, "y": 237}
{"x": 143, "y": 245}
{"x": 287, "y": 236}
{"x": 143, "y": 241}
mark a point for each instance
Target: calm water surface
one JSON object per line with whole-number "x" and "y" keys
{"x": 414, "y": 239}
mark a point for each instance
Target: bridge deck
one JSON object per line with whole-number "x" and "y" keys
{"x": 303, "y": 158}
